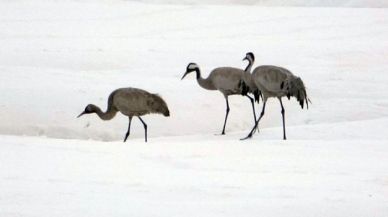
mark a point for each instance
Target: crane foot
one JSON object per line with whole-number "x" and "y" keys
{"x": 247, "y": 137}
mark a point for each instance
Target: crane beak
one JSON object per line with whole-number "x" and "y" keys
{"x": 81, "y": 114}
{"x": 184, "y": 75}
{"x": 245, "y": 58}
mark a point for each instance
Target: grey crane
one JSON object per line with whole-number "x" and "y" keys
{"x": 274, "y": 81}
{"x": 228, "y": 80}
{"x": 130, "y": 102}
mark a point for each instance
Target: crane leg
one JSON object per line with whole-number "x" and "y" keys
{"x": 253, "y": 107}
{"x": 284, "y": 123}
{"x": 256, "y": 124}
{"x": 129, "y": 129}
{"x": 145, "y": 128}
{"x": 226, "y": 116}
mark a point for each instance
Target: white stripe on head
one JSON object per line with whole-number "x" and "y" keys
{"x": 250, "y": 56}
{"x": 192, "y": 66}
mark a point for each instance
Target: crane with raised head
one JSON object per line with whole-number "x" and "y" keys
{"x": 227, "y": 80}
{"x": 274, "y": 81}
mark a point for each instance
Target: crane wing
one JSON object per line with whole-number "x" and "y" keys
{"x": 228, "y": 80}
{"x": 270, "y": 79}
{"x": 132, "y": 101}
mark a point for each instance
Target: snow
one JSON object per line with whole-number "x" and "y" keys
{"x": 58, "y": 56}
{"x": 279, "y": 3}
{"x": 206, "y": 176}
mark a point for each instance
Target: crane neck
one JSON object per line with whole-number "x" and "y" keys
{"x": 247, "y": 72}
{"x": 247, "y": 76}
{"x": 204, "y": 83}
{"x": 248, "y": 69}
{"x": 198, "y": 73}
{"x": 108, "y": 115}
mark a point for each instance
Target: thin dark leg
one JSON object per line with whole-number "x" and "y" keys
{"x": 226, "y": 116}
{"x": 129, "y": 128}
{"x": 284, "y": 122}
{"x": 253, "y": 107}
{"x": 145, "y": 128}
{"x": 256, "y": 124}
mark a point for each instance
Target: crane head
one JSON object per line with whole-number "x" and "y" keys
{"x": 88, "y": 110}
{"x": 191, "y": 68}
{"x": 250, "y": 57}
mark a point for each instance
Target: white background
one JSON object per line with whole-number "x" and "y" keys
{"x": 58, "y": 56}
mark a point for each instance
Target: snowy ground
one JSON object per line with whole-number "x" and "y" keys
{"x": 58, "y": 56}
{"x": 279, "y": 3}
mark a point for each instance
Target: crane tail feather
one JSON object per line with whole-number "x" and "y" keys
{"x": 257, "y": 94}
{"x": 297, "y": 89}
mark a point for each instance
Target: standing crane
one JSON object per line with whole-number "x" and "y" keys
{"x": 130, "y": 102}
{"x": 274, "y": 81}
{"x": 228, "y": 80}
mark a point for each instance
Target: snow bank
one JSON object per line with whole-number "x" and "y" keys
{"x": 192, "y": 176}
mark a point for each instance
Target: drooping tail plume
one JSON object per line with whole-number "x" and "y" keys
{"x": 295, "y": 88}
